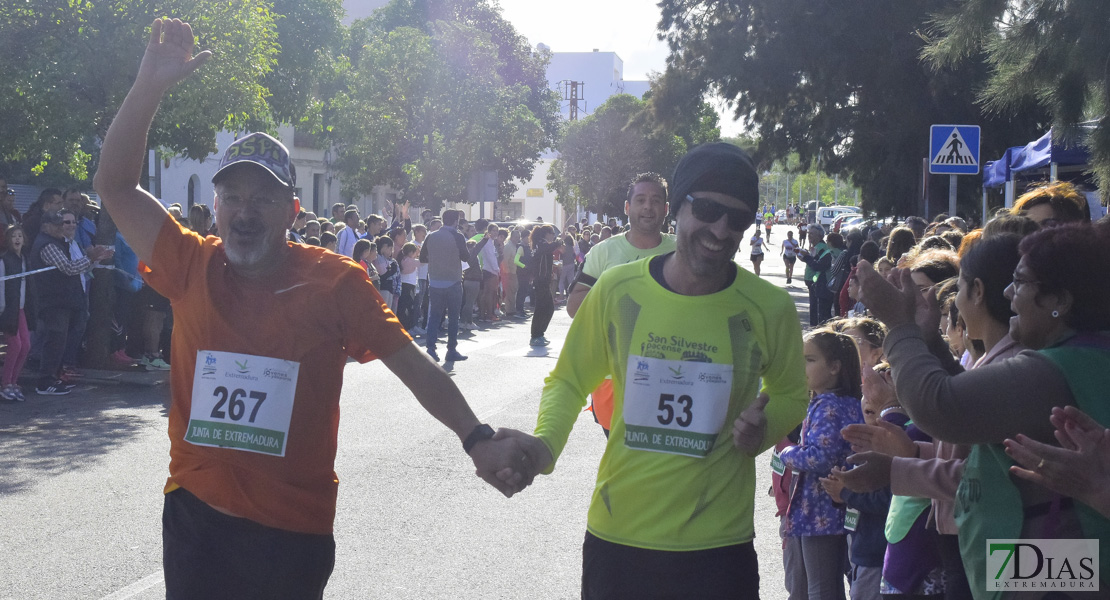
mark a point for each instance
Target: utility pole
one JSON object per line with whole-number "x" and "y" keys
{"x": 573, "y": 92}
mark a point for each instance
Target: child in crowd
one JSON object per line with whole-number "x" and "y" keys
{"x": 869, "y": 335}
{"x": 816, "y": 545}
{"x": 884, "y": 265}
{"x": 472, "y": 284}
{"x": 406, "y": 305}
{"x": 364, "y": 253}
{"x": 866, "y": 513}
{"x": 18, "y": 306}
{"x": 858, "y": 309}
{"x": 388, "y": 281}
{"x": 912, "y": 566}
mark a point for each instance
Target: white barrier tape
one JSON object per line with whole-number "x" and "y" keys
{"x": 26, "y": 273}
{"x": 51, "y": 268}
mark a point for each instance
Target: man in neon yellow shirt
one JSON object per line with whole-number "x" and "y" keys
{"x": 646, "y": 208}
{"x": 689, "y": 338}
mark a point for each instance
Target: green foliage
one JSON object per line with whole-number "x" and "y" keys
{"x": 678, "y": 107}
{"x": 434, "y": 90}
{"x": 69, "y": 63}
{"x": 843, "y": 81}
{"x": 309, "y": 40}
{"x": 600, "y": 154}
{"x": 1038, "y": 51}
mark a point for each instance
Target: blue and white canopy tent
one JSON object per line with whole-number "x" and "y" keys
{"x": 1036, "y": 161}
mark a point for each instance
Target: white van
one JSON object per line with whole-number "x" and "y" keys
{"x": 827, "y": 214}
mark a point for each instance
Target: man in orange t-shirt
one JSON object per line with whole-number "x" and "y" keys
{"x": 262, "y": 331}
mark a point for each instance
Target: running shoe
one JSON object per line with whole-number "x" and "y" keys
{"x": 432, "y": 353}
{"x": 539, "y": 341}
{"x": 7, "y": 393}
{"x": 155, "y": 364}
{"x": 18, "y": 393}
{"x": 453, "y": 356}
{"x": 122, "y": 358}
{"x": 58, "y": 388}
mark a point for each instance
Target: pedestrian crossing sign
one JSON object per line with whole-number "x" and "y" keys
{"x": 954, "y": 149}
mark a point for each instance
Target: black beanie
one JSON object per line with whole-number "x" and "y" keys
{"x": 717, "y": 167}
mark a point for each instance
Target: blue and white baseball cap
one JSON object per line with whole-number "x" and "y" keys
{"x": 264, "y": 151}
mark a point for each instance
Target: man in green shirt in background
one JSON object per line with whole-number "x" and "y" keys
{"x": 689, "y": 339}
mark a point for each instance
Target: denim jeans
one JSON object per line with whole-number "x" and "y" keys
{"x": 444, "y": 300}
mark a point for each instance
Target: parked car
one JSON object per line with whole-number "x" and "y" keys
{"x": 845, "y": 221}
{"x": 826, "y": 215}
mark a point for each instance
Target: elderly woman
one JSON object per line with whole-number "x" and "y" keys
{"x": 1062, "y": 307}
{"x": 818, "y": 259}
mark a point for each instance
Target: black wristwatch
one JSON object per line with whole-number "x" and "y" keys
{"x": 480, "y": 433}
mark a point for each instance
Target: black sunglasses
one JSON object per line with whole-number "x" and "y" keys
{"x": 710, "y": 211}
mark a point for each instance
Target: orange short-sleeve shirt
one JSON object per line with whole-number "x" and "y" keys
{"x": 318, "y": 310}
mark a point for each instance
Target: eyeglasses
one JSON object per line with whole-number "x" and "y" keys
{"x": 710, "y": 211}
{"x": 8, "y": 192}
{"x": 261, "y": 201}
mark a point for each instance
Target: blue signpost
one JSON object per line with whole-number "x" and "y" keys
{"x": 953, "y": 150}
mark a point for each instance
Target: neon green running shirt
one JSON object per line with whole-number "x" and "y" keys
{"x": 683, "y": 368}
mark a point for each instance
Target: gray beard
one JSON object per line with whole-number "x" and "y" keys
{"x": 249, "y": 259}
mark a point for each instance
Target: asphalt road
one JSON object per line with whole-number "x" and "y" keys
{"x": 81, "y": 476}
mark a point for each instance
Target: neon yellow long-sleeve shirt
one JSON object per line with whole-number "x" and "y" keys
{"x": 684, "y": 368}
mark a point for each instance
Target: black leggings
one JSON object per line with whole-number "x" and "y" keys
{"x": 544, "y": 306}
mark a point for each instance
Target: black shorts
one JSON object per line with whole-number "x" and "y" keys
{"x": 789, "y": 260}
{"x": 757, "y": 257}
{"x": 207, "y": 554}
{"x": 612, "y": 571}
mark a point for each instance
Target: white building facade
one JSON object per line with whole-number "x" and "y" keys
{"x": 600, "y": 75}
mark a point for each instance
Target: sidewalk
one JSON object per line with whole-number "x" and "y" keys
{"x": 91, "y": 380}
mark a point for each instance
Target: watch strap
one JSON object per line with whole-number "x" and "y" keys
{"x": 480, "y": 433}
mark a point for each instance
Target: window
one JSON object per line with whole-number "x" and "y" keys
{"x": 194, "y": 181}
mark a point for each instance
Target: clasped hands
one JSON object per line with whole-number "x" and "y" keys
{"x": 875, "y": 447}
{"x": 510, "y": 460}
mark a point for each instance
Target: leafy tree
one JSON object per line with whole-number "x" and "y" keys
{"x": 436, "y": 89}
{"x": 309, "y": 38}
{"x": 841, "y": 80}
{"x": 678, "y": 107}
{"x": 600, "y": 154}
{"x": 1044, "y": 51}
{"x": 68, "y": 65}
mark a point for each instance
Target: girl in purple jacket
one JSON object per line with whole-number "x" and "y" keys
{"x": 816, "y": 542}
